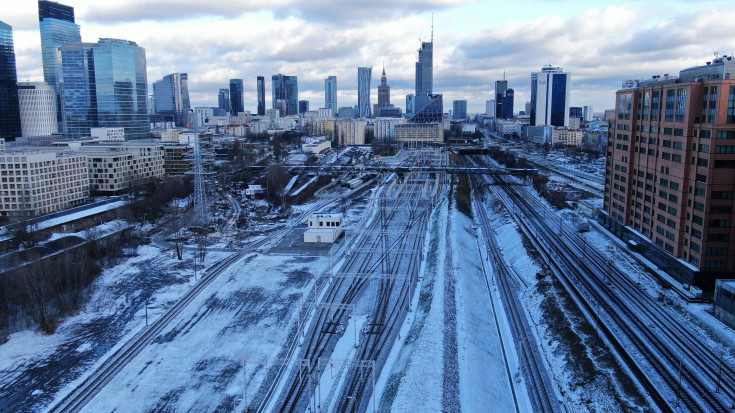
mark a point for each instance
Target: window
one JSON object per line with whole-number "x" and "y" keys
{"x": 695, "y": 247}
{"x": 720, "y": 223}
{"x": 725, "y": 149}
{"x": 716, "y": 251}
{"x": 722, "y": 194}
{"x": 715, "y": 265}
{"x": 725, "y": 134}
{"x": 731, "y": 106}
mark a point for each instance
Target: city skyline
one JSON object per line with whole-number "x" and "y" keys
{"x": 473, "y": 45}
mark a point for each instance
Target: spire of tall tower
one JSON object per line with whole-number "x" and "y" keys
{"x": 432, "y": 28}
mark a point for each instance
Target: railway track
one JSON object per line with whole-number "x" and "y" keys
{"x": 539, "y": 386}
{"x": 676, "y": 369}
{"x": 378, "y": 253}
{"x": 93, "y": 383}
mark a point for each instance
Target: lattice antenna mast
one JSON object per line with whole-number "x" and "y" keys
{"x": 200, "y": 196}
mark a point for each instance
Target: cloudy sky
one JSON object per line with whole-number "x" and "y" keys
{"x": 600, "y": 43}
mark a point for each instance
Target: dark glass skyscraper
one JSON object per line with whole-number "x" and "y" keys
{"x": 236, "y": 97}
{"x": 363, "y": 91}
{"x": 428, "y": 107}
{"x": 303, "y": 106}
{"x": 9, "y": 108}
{"x": 223, "y": 99}
{"x": 56, "y": 23}
{"x": 261, "y": 96}
{"x": 286, "y": 89}
{"x": 459, "y": 111}
{"x": 171, "y": 97}
{"x": 330, "y": 94}
{"x": 103, "y": 84}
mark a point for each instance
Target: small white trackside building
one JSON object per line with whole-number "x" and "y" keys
{"x": 323, "y": 228}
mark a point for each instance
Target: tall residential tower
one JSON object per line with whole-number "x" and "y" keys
{"x": 330, "y": 94}
{"x": 363, "y": 91}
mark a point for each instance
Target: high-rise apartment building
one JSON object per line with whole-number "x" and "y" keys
{"x": 261, "y": 95}
{"x": 236, "y": 97}
{"x": 330, "y": 93}
{"x": 57, "y": 26}
{"x": 37, "y": 101}
{"x": 459, "y": 110}
{"x": 9, "y": 111}
{"x": 223, "y": 100}
{"x": 103, "y": 84}
{"x": 383, "y": 92}
{"x": 550, "y": 97}
{"x": 363, "y": 91}
{"x": 171, "y": 97}
{"x": 286, "y": 91}
{"x": 669, "y": 183}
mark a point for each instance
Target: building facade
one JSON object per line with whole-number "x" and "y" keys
{"x": 171, "y": 97}
{"x": 351, "y": 131}
{"x": 237, "y": 104}
{"x": 669, "y": 180}
{"x": 490, "y": 107}
{"x": 261, "y": 95}
{"x": 550, "y": 97}
{"x": 36, "y": 182}
{"x": 383, "y": 92}
{"x": 117, "y": 167}
{"x": 330, "y": 94}
{"x": 223, "y": 100}
{"x": 364, "y": 75}
{"x": 103, "y": 84}
{"x": 286, "y": 92}
{"x": 459, "y": 110}
{"x": 10, "y": 126}
{"x": 504, "y": 100}
{"x": 37, "y": 102}
{"x": 415, "y": 134}
{"x": 57, "y": 26}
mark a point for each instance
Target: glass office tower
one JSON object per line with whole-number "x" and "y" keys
{"x": 56, "y": 22}
{"x": 9, "y": 109}
{"x": 103, "y": 84}
{"x": 236, "y": 97}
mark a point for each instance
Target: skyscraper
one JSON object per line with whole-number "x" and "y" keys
{"x": 236, "y": 97}
{"x": 330, "y": 94}
{"x": 103, "y": 84}
{"x": 428, "y": 107}
{"x": 550, "y": 97}
{"x": 490, "y": 107}
{"x": 9, "y": 110}
{"x": 286, "y": 89}
{"x": 303, "y": 106}
{"x": 171, "y": 97}
{"x": 56, "y": 22}
{"x": 459, "y": 110}
{"x": 37, "y": 101}
{"x": 223, "y": 100}
{"x": 261, "y": 95}
{"x": 383, "y": 92}
{"x": 410, "y": 103}
{"x": 363, "y": 91}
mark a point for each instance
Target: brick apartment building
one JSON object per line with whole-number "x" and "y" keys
{"x": 670, "y": 176}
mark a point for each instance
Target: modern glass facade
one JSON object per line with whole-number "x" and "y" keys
{"x": 223, "y": 99}
{"x": 363, "y": 91}
{"x": 459, "y": 110}
{"x": 261, "y": 96}
{"x": 432, "y": 109}
{"x": 9, "y": 109}
{"x": 330, "y": 94}
{"x": 236, "y": 98}
{"x": 171, "y": 97}
{"x": 56, "y": 23}
{"x": 103, "y": 84}
{"x": 286, "y": 89}
{"x": 550, "y": 97}
{"x": 424, "y": 76}
{"x": 303, "y": 106}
